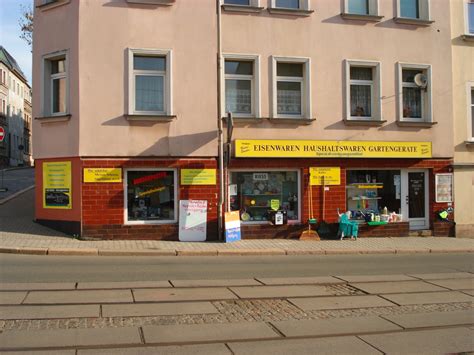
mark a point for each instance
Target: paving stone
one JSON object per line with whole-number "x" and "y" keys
{"x": 199, "y": 349}
{"x": 266, "y": 251}
{"x": 49, "y": 312}
{"x": 444, "y": 275}
{"x": 339, "y": 345}
{"x": 429, "y": 297}
{"x": 178, "y": 294}
{"x": 131, "y": 252}
{"x": 437, "y": 341}
{"x": 118, "y": 285}
{"x": 37, "y": 286}
{"x": 45, "y": 352}
{"x": 375, "y": 278}
{"x": 396, "y": 287}
{"x": 70, "y": 338}
{"x": 12, "y": 297}
{"x": 280, "y": 291}
{"x": 33, "y": 251}
{"x": 196, "y": 252}
{"x": 72, "y": 251}
{"x": 340, "y": 302}
{"x": 208, "y": 332}
{"x": 336, "y": 326}
{"x": 435, "y": 319}
{"x": 299, "y": 280}
{"x": 150, "y": 309}
{"x": 455, "y": 284}
{"x": 211, "y": 283}
{"x": 86, "y": 296}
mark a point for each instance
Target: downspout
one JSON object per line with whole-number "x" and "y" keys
{"x": 220, "y": 140}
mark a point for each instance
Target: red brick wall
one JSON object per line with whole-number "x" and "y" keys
{"x": 103, "y": 203}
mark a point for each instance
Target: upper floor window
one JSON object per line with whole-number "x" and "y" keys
{"x": 288, "y": 4}
{"x": 291, "y": 87}
{"x": 471, "y": 112}
{"x": 413, "y": 10}
{"x": 470, "y": 17}
{"x": 56, "y": 89}
{"x": 363, "y": 90}
{"x": 149, "y": 82}
{"x": 241, "y": 85}
{"x": 415, "y": 91}
{"x": 237, "y": 2}
{"x": 2, "y": 76}
{"x": 359, "y": 7}
{"x": 292, "y": 6}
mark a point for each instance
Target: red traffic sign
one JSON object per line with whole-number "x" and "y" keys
{"x": 2, "y": 134}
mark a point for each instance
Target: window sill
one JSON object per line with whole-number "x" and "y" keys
{"x": 371, "y": 18}
{"x": 244, "y": 119}
{"x": 51, "y": 119}
{"x": 468, "y": 37}
{"x": 242, "y": 8}
{"x": 295, "y": 121}
{"x": 152, "y": 2}
{"x": 363, "y": 122}
{"x": 291, "y": 12}
{"x": 416, "y": 124}
{"x": 52, "y": 5}
{"x": 412, "y": 21}
{"x": 156, "y": 118}
{"x": 469, "y": 143}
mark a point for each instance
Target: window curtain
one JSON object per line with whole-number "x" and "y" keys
{"x": 238, "y": 96}
{"x": 360, "y": 101}
{"x": 149, "y": 93}
{"x": 289, "y": 98}
{"x": 411, "y": 103}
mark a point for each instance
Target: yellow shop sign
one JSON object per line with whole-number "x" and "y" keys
{"x": 325, "y": 176}
{"x": 102, "y": 175}
{"x": 255, "y": 148}
{"x": 198, "y": 176}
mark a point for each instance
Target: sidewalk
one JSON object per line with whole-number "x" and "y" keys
{"x": 58, "y": 245}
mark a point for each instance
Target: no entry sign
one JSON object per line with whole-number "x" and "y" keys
{"x": 2, "y": 134}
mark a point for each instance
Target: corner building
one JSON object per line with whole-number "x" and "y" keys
{"x": 358, "y": 92}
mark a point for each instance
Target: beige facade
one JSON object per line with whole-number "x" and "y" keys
{"x": 463, "y": 86}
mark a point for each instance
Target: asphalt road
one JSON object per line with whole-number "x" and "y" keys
{"x": 27, "y": 268}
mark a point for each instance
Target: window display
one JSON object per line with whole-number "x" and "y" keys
{"x": 373, "y": 192}
{"x": 151, "y": 195}
{"x": 257, "y": 193}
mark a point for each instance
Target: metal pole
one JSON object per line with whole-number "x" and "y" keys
{"x": 220, "y": 140}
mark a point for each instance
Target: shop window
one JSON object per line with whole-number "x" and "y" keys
{"x": 256, "y": 193}
{"x": 415, "y": 92}
{"x": 291, "y": 88}
{"x": 371, "y": 191}
{"x": 150, "y": 196}
{"x": 241, "y": 85}
{"x": 363, "y": 90}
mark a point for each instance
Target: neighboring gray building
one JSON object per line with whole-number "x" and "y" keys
{"x": 15, "y": 110}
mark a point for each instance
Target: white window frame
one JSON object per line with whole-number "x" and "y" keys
{"x": 252, "y": 3}
{"x": 426, "y": 94}
{"x": 375, "y": 84}
{"x": 255, "y": 83}
{"x": 125, "y": 199}
{"x": 305, "y": 86}
{"x": 423, "y": 11}
{"x": 373, "y": 9}
{"x": 470, "y": 116}
{"x": 300, "y": 197}
{"x": 47, "y": 79}
{"x": 303, "y": 5}
{"x": 168, "y": 89}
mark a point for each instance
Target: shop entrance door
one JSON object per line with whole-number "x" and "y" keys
{"x": 414, "y": 199}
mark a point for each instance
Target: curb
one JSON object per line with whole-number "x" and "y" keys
{"x": 225, "y": 252}
{"x": 16, "y": 194}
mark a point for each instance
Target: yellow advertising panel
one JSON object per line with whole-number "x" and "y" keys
{"x": 254, "y": 148}
{"x": 57, "y": 191}
{"x": 102, "y": 175}
{"x": 198, "y": 176}
{"x": 331, "y": 176}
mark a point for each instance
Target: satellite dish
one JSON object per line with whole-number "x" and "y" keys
{"x": 421, "y": 80}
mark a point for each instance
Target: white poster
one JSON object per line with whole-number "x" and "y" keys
{"x": 192, "y": 220}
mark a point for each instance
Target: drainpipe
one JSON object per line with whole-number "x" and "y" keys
{"x": 220, "y": 136}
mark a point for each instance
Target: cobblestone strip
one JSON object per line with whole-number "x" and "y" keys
{"x": 230, "y": 312}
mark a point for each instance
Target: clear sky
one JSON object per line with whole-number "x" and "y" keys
{"x": 10, "y": 13}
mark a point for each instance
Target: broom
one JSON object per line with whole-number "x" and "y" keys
{"x": 310, "y": 234}
{"x": 323, "y": 226}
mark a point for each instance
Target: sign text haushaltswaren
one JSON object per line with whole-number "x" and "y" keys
{"x": 254, "y": 148}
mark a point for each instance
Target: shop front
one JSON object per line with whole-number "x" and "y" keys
{"x": 387, "y": 187}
